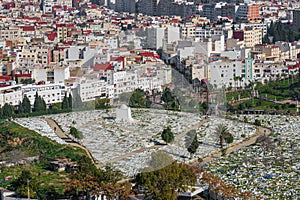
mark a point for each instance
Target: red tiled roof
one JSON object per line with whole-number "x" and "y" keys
{"x": 119, "y": 59}
{"x": 52, "y": 36}
{"x": 4, "y": 78}
{"x": 28, "y": 28}
{"x": 106, "y": 66}
{"x": 23, "y": 75}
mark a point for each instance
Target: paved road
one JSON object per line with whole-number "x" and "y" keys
{"x": 59, "y": 132}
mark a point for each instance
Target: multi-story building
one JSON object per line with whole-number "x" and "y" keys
{"x": 209, "y": 11}
{"x": 253, "y": 12}
{"x": 222, "y": 73}
{"x": 148, "y": 7}
{"x": 269, "y": 52}
{"x": 250, "y": 36}
{"x": 62, "y": 32}
{"x": 262, "y": 26}
{"x": 89, "y": 90}
{"x": 126, "y": 6}
{"x": 296, "y": 19}
{"x": 51, "y": 93}
{"x": 51, "y": 75}
{"x": 11, "y": 95}
{"x": 242, "y": 12}
{"x": 10, "y": 33}
{"x": 188, "y": 31}
{"x": 155, "y": 36}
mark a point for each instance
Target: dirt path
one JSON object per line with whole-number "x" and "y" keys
{"x": 59, "y": 132}
{"x": 259, "y": 132}
{"x": 196, "y": 126}
{"x": 178, "y": 137}
{"x": 236, "y": 102}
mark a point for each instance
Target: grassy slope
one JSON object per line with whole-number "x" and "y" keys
{"x": 15, "y": 137}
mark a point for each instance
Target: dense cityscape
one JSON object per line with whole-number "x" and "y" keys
{"x": 149, "y": 99}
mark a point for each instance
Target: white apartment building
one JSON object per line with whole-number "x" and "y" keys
{"x": 269, "y": 69}
{"x": 262, "y": 26}
{"x": 51, "y": 93}
{"x": 172, "y": 34}
{"x": 202, "y": 32}
{"x": 51, "y": 75}
{"x": 155, "y": 36}
{"x": 124, "y": 82}
{"x": 222, "y": 73}
{"x": 11, "y": 95}
{"x": 252, "y": 37}
{"x": 89, "y": 90}
{"x": 188, "y": 31}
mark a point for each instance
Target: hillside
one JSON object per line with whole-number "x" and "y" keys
{"x": 22, "y": 150}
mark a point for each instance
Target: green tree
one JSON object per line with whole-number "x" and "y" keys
{"x": 229, "y": 138}
{"x": 47, "y": 193}
{"x": 20, "y": 108}
{"x": 192, "y": 149}
{"x": 266, "y": 39}
{"x": 257, "y": 122}
{"x": 75, "y": 133}
{"x": 20, "y": 185}
{"x": 245, "y": 119}
{"x": 16, "y": 78}
{"x": 139, "y": 99}
{"x": 70, "y": 99}
{"x": 167, "y": 135}
{"x": 26, "y": 104}
{"x": 102, "y": 103}
{"x": 203, "y": 106}
{"x": 65, "y": 103}
{"x": 39, "y": 104}
{"x": 165, "y": 183}
{"x": 241, "y": 106}
{"x": 222, "y": 133}
{"x": 170, "y": 101}
{"x": 7, "y": 110}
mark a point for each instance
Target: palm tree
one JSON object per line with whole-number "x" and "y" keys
{"x": 235, "y": 78}
{"x": 240, "y": 81}
{"x": 222, "y": 132}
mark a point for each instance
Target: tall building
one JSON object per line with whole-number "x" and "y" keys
{"x": 296, "y": 19}
{"x": 147, "y": 7}
{"x": 242, "y": 12}
{"x": 125, "y": 6}
{"x": 250, "y": 36}
{"x": 164, "y": 7}
{"x": 209, "y": 11}
{"x": 253, "y": 11}
{"x": 155, "y": 37}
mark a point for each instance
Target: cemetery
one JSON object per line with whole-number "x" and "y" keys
{"x": 112, "y": 141}
{"x": 271, "y": 167}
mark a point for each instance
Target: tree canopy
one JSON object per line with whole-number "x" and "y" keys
{"x": 223, "y": 134}
{"x": 192, "y": 148}
{"x": 164, "y": 183}
{"x": 139, "y": 99}
{"x": 39, "y": 104}
{"x": 167, "y": 135}
{"x": 170, "y": 101}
